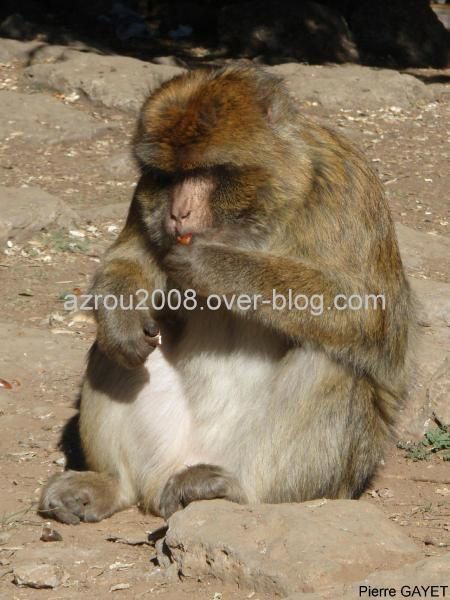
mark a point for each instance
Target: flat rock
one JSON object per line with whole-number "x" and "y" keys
{"x": 301, "y": 596}
{"x": 286, "y": 548}
{"x": 121, "y": 164}
{"x": 352, "y": 86}
{"x": 39, "y": 576}
{"x": 422, "y": 251}
{"x": 16, "y": 51}
{"x": 433, "y": 302}
{"x": 434, "y": 571}
{"x": 42, "y": 118}
{"x": 438, "y": 391}
{"x": 25, "y": 211}
{"x": 37, "y": 51}
{"x": 422, "y": 254}
{"x": 430, "y": 386}
{"x": 114, "y": 81}
{"x": 109, "y": 212}
{"x": 429, "y": 390}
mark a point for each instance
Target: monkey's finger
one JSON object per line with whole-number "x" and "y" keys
{"x": 151, "y": 329}
{"x": 133, "y": 353}
{"x": 144, "y": 345}
{"x": 61, "y": 514}
{"x": 170, "y": 502}
{"x": 153, "y": 342}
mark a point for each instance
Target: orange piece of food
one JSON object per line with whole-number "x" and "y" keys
{"x": 185, "y": 239}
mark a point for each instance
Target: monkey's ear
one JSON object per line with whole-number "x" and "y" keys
{"x": 277, "y": 104}
{"x": 146, "y": 152}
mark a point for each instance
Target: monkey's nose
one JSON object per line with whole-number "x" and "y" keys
{"x": 180, "y": 217}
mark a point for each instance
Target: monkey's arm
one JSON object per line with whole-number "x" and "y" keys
{"x": 127, "y": 335}
{"x": 361, "y": 338}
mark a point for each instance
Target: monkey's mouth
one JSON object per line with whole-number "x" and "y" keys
{"x": 184, "y": 239}
{"x": 176, "y": 230}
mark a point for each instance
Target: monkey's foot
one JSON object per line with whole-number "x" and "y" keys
{"x": 76, "y": 496}
{"x": 200, "y": 482}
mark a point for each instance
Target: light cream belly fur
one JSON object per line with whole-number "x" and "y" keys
{"x": 183, "y": 413}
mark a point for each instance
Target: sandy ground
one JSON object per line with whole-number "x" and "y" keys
{"x": 409, "y": 149}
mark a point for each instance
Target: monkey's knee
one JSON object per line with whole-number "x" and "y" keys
{"x": 200, "y": 482}
{"x": 76, "y": 496}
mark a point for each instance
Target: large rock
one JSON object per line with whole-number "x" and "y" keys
{"x": 25, "y": 211}
{"x": 109, "y": 212}
{"x": 121, "y": 164}
{"x": 422, "y": 252}
{"x": 438, "y": 391}
{"x": 434, "y": 571}
{"x": 15, "y": 51}
{"x": 41, "y": 118}
{"x": 433, "y": 302}
{"x": 303, "y": 31}
{"x": 409, "y": 581}
{"x": 114, "y": 81}
{"x": 285, "y": 548}
{"x": 430, "y": 384}
{"x": 38, "y": 51}
{"x": 43, "y": 576}
{"x": 352, "y": 86}
{"x": 430, "y": 377}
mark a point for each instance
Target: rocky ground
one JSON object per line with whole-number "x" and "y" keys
{"x": 66, "y": 177}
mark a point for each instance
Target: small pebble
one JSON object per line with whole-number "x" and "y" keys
{"x": 49, "y": 534}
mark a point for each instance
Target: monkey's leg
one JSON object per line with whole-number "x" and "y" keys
{"x": 76, "y": 496}
{"x": 199, "y": 482}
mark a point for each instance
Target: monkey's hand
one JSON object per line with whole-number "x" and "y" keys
{"x": 126, "y": 336}
{"x": 198, "y": 265}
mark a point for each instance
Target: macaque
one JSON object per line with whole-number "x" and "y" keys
{"x": 240, "y": 194}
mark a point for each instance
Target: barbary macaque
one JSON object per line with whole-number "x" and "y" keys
{"x": 240, "y": 195}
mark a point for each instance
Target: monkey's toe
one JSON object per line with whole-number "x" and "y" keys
{"x": 200, "y": 482}
{"x": 74, "y": 496}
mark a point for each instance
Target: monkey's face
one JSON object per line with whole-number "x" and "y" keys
{"x": 216, "y": 202}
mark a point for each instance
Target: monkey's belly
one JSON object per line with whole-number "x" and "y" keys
{"x": 182, "y": 416}
{"x": 152, "y": 423}
{"x": 136, "y": 424}
{"x": 224, "y": 408}
{"x": 159, "y": 418}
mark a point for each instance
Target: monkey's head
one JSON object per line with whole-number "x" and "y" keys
{"x": 207, "y": 143}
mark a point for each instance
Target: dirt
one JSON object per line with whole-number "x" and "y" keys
{"x": 410, "y": 149}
